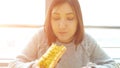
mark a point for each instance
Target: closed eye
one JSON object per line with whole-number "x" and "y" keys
{"x": 55, "y": 17}
{"x": 70, "y": 17}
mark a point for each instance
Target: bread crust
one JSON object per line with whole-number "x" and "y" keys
{"x": 52, "y": 56}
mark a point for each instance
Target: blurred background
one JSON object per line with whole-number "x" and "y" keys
{"x": 21, "y": 19}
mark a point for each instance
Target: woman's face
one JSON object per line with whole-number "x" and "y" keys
{"x": 64, "y": 22}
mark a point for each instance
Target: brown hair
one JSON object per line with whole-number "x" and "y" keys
{"x": 80, "y": 28}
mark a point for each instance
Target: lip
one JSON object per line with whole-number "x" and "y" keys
{"x": 62, "y": 32}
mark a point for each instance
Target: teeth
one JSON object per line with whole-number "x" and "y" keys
{"x": 52, "y": 56}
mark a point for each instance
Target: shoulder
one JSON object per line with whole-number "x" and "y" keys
{"x": 40, "y": 33}
{"x": 39, "y": 36}
{"x": 88, "y": 39}
{"x": 89, "y": 43}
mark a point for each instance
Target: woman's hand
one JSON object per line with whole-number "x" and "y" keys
{"x": 35, "y": 65}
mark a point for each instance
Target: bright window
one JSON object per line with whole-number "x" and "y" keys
{"x": 101, "y": 12}
{"x": 101, "y": 19}
{"x": 22, "y": 11}
{"x": 19, "y": 21}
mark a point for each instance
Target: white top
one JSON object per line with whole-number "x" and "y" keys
{"x": 87, "y": 51}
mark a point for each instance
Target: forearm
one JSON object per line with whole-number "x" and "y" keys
{"x": 93, "y": 65}
{"x": 19, "y": 64}
{"x": 105, "y": 66}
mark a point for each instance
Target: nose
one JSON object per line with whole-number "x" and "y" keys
{"x": 62, "y": 24}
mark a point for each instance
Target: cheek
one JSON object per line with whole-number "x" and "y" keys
{"x": 73, "y": 28}
{"x": 54, "y": 26}
{"x": 73, "y": 25}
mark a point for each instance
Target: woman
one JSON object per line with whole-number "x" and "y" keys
{"x": 64, "y": 25}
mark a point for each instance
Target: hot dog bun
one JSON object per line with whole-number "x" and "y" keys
{"x": 52, "y": 56}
